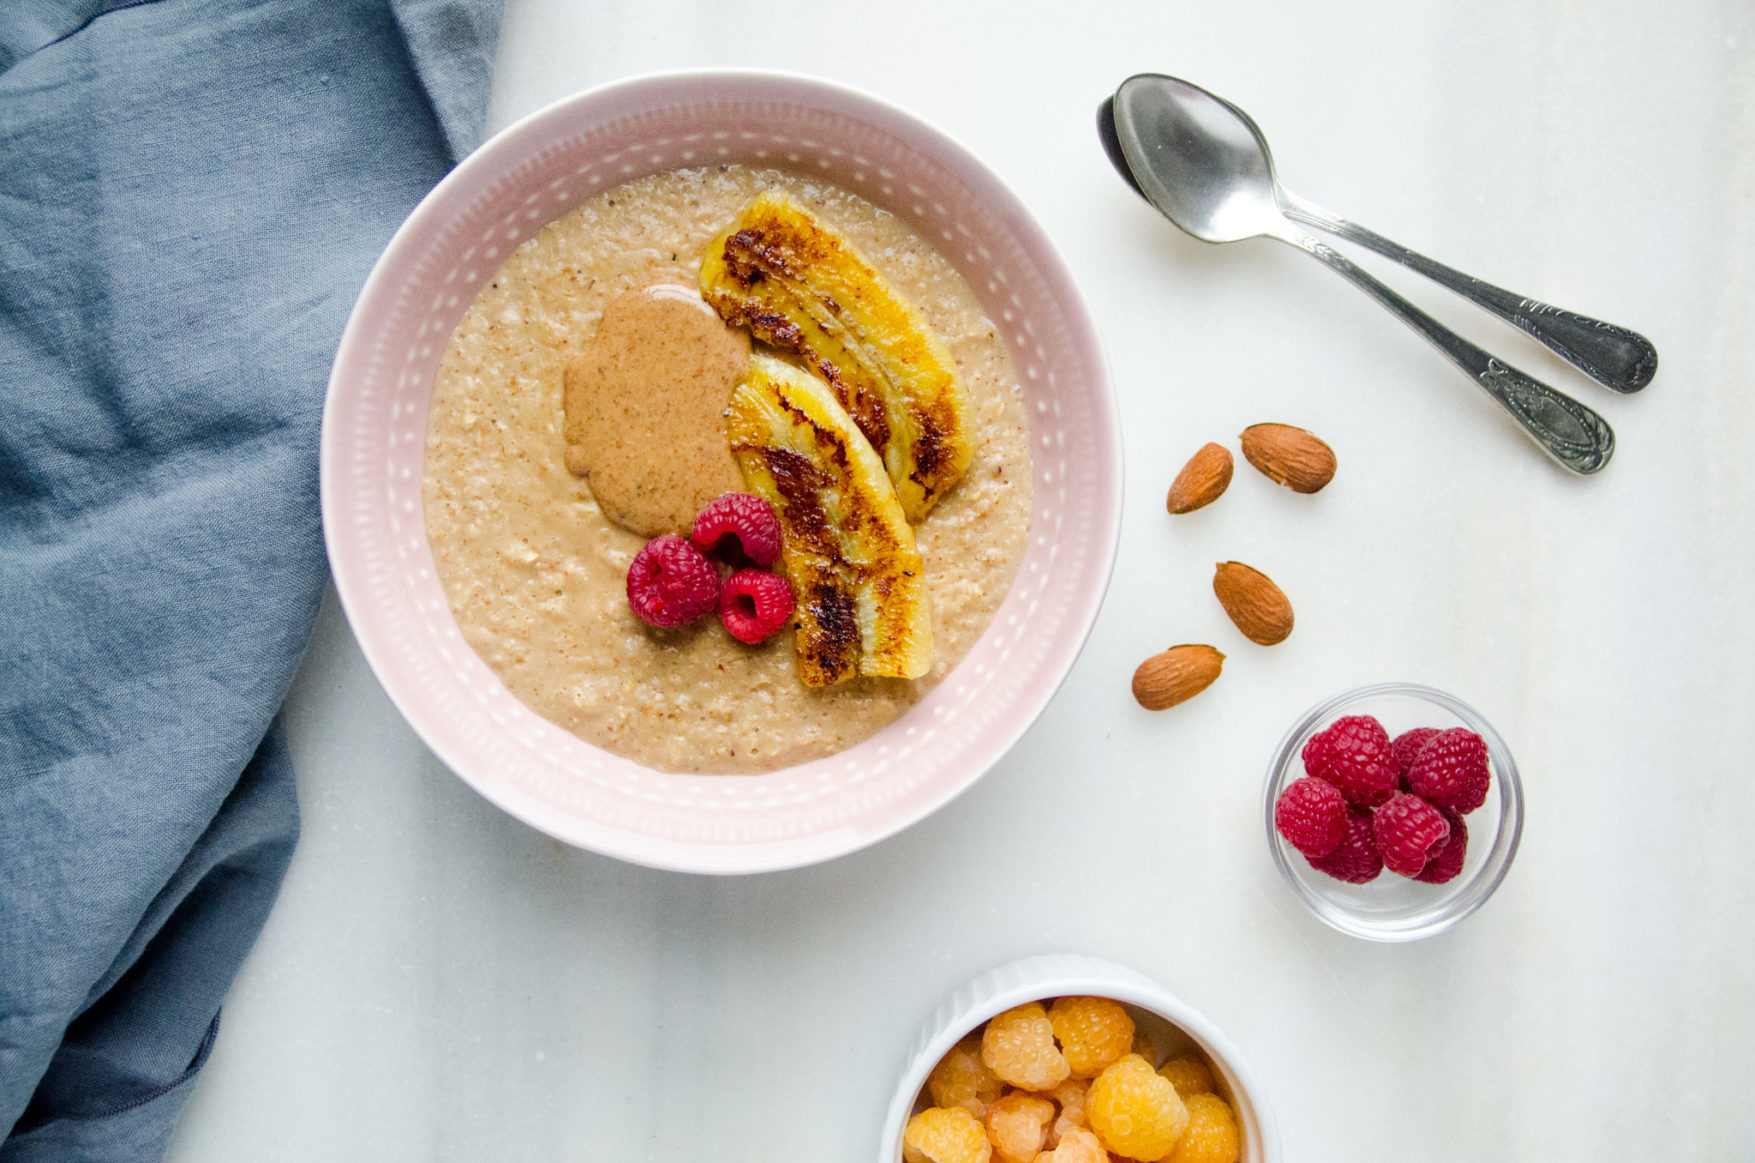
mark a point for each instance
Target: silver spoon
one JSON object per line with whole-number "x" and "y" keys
{"x": 1203, "y": 163}
{"x": 1614, "y": 356}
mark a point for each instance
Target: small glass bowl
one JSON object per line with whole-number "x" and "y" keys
{"x": 1392, "y": 907}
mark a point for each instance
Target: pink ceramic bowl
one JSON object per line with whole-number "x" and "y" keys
{"x": 374, "y": 430}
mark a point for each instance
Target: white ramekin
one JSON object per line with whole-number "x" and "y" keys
{"x": 1061, "y": 975}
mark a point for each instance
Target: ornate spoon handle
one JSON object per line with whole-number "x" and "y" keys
{"x": 1613, "y": 356}
{"x": 1565, "y": 429}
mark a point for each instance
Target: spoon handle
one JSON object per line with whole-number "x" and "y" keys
{"x": 1566, "y": 430}
{"x": 1613, "y": 356}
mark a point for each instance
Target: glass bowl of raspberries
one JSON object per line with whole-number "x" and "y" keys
{"x": 1393, "y": 811}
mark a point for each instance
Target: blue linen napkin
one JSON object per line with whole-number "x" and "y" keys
{"x": 191, "y": 194}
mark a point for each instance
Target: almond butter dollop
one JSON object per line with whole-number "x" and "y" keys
{"x": 645, "y": 409}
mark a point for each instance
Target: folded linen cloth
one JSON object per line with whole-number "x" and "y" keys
{"x": 191, "y": 194}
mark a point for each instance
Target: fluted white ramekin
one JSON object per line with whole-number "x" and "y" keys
{"x": 1063, "y": 975}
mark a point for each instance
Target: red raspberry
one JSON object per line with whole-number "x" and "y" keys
{"x": 750, "y": 523}
{"x": 1356, "y": 859}
{"x": 1407, "y": 745}
{"x": 1312, "y": 816}
{"x": 754, "y": 605}
{"x": 1451, "y": 771}
{"x": 1315, "y": 753}
{"x": 1355, "y": 757}
{"x": 1409, "y": 832}
{"x": 671, "y": 582}
{"x": 1442, "y": 868}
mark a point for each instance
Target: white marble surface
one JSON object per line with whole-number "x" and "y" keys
{"x": 439, "y": 982}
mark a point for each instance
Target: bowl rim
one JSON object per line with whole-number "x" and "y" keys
{"x": 1477, "y": 890}
{"x": 676, "y": 86}
{"x": 1048, "y": 975}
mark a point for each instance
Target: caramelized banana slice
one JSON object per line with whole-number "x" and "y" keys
{"x": 849, "y": 551}
{"x": 800, "y": 286}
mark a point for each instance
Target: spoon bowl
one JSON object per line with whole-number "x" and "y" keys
{"x": 1201, "y": 161}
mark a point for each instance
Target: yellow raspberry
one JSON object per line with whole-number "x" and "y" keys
{"x": 1069, "y": 1098}
{"x": 937, "y": 1135}
{"x": 1093, "y": 1032}
{"x": 962, "y": 1079}
{"x": 1018, "y": 1045}
{"x": 1016, "y": 1126}
{"x": 1212, "y": 1135}
{"x": 1135, "y": 1112}
{"x": 1072, "y": 1095}
{"x": 1077, "y": 1145}
{"x": 1189, "y": 1075}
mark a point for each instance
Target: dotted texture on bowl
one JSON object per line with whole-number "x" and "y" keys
{"x": 374, "y": 444}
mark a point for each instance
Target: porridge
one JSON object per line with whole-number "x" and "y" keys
{"x": 534, "y": 566}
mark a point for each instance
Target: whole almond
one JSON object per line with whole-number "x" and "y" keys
{"x": 1202, "y": 479}
{"x": 1259, "y": 607}
{"x": 1289, "y": 456}
{"x": 1175, "y": 676}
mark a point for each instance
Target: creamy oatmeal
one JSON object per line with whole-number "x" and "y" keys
{"x": 535, "y": 571}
